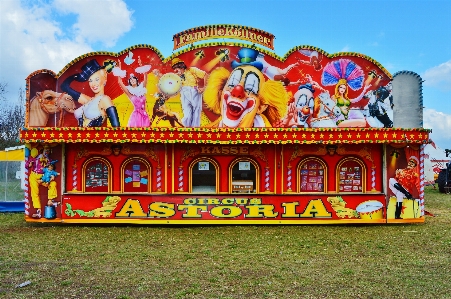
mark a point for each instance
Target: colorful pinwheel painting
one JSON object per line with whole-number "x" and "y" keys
{"x": 343, "y": 69}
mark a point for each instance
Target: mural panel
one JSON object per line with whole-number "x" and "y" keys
{"x": 214, "y": 86}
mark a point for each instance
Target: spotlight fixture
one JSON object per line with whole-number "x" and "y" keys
{"x": 395, "y": 153}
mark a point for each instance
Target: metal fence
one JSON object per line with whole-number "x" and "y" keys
{"x": 11, "y": 181}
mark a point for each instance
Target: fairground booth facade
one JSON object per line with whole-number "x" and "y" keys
{"x": 224, "y": 133}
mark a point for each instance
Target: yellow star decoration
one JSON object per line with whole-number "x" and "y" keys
{"x": 394, "y": 135}
{"x": 152, "y": 135}
{"x": 276, "y": 136}
{"x": 248, "y": 136}
{"x": 199, "y": 135}
{"x": 266, "y": 135}
{"x": 78, "y": 135}
{"x": 257, "y": 136}
{"x": 61, "y": 135}
{"x": 171, "y": 134}
{"x": 331, "y": 136}
{"x": 43, "y": 134}
{"x": 228, "y": 136}
{"x": 69, "y": 135}
{"x": 88, "y": 135}
{"x": 340, "y": 136}
{"x": 209, "y": 135}
{"x": 285, "y": 136}
{"x": 358, "y": 135}
{"x": 97, "y": 135}
{"x": 238, "y": 136}
{"x": 412, "y": 136}
{"x": 367, "y": 135}
{"x": 52, "y": 135}
{"x": 115, "y": 134}
{"x": 123, "y": 135}
{"x": 376, "y": 135}
{"x": 321, "y": 135}
{"x": 304, "y": 136}
{"x": 218, "y": 135}
{"x": 385, "y": 135}
{"x": 143, "y": 135}
{"x": 349, "y": 135}
{"x": 312, "y": 136}
{"x": 180, "y": 135}
{"x": 420, "y": 136}
{"x": 294, "y": 136}
{"x": 26, "y": 134}
{"x": 161, "y": 135}
{"x": 190, "y": 135}
{"x": 133, "y": 135}
{"x": 34, "y": 134}
{"x": 106, "y": 134}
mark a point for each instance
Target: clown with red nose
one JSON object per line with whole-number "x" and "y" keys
{"x": 242, "y": 97}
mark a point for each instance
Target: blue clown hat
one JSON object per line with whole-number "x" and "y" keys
{"x": 88, "y": 69}
{"x": 247, "y": 57}
{"x": 307, "y": 86}
{"x": 52, "y": 162}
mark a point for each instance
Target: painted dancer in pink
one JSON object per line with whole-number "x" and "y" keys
{"x": 136, "y": 92}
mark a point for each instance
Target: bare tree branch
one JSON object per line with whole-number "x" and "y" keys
{"x": 12, "y": 119}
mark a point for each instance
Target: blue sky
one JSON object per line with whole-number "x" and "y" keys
{"x": 399, "y": 34}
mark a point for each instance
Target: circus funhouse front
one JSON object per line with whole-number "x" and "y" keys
{"x": 224, "y": 133}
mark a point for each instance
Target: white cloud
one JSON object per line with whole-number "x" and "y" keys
{"x": 98, "y": 21}
{"x": 439, "y": 76}
{"x": 440, "y": 123}
{"x": 31, "y": 39}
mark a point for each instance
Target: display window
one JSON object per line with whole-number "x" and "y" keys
{"x": 204, "y": 176}
{"x": 97, "y": 175}
{"x": 135, "y": 175}
{"x": 312, "y": 175}
{"x": 244, "y": 176}
{"x": 351, "y": 175}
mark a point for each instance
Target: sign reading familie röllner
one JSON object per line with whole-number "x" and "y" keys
{"x": 223, "y": 31}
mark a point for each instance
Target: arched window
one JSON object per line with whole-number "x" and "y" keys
{"x": 204, "y": 176}
{"x": 351, "y": 175}
{"x": 244, "y": 176}
{"x": 312, "y": 175}
{"x": 96, "y": 175}
{"x": 135, "y": 175}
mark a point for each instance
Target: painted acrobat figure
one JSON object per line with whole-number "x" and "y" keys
{"x": 403, "y": 184}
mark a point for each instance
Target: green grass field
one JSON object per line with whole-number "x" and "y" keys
{"x": 321, "y": 261}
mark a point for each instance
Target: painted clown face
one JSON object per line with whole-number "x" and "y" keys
{"x": 240, "y": 101}
{"x": 304, "y": 102}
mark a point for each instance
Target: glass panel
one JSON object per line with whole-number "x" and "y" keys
{"x": 350, "y": 177}
{"x": 312, "y": 177}
{"x": 11, "y": 178}
{"x": 136, "y": 177}
{"x": 96, "y": 176}
{"x": 244, "y": 177}
{"x": 203, "y": 177}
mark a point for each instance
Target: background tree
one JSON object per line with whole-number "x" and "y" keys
{"x": 12, "y": 117}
